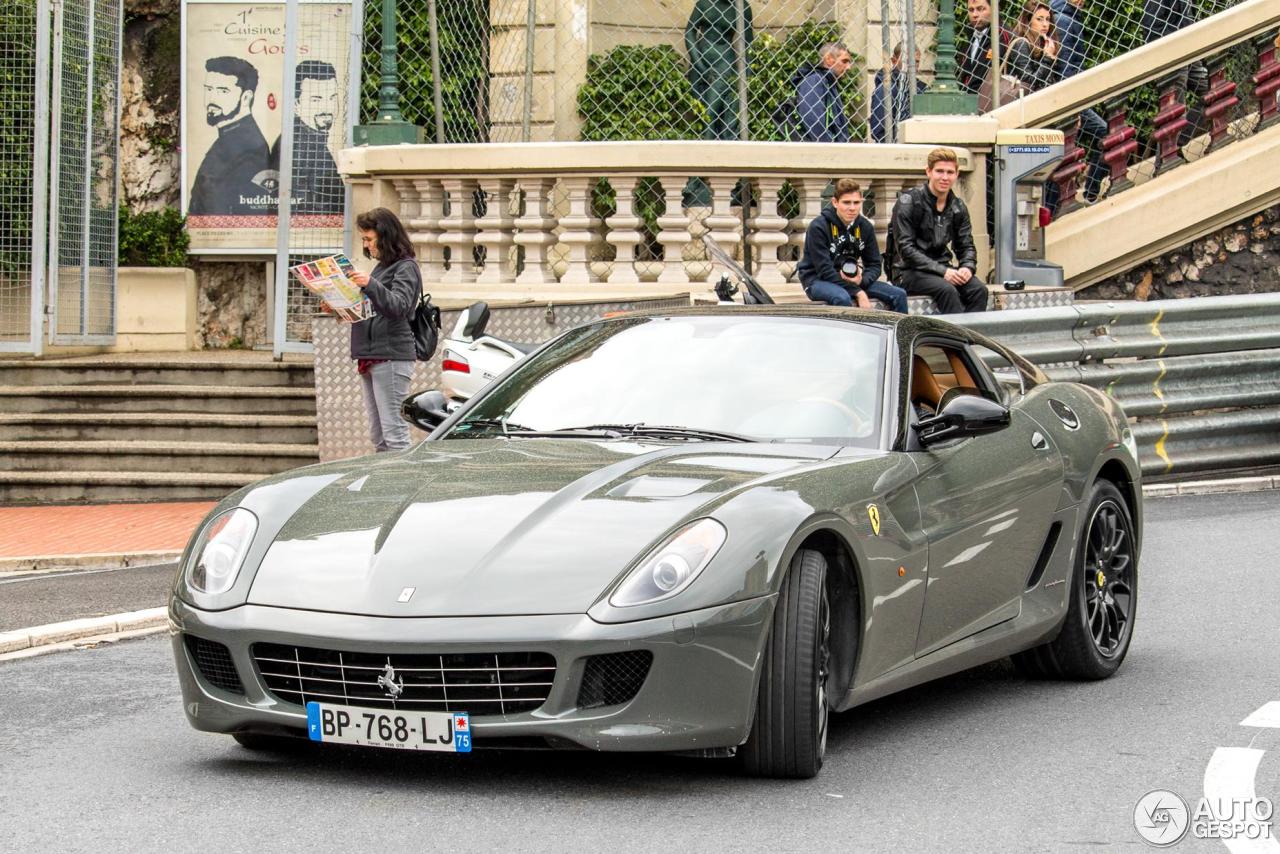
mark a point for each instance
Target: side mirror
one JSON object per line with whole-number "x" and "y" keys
{"x": 425, "y": 410}
{"x": 960, "y": 416}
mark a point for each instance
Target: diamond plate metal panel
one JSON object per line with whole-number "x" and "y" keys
{"x": 340, "y": 416}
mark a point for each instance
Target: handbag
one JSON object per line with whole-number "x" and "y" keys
{"x": 425, "y": 324}
{"x": 1011, "y": 88}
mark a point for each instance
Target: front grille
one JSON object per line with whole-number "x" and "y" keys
{"x": 613, "y": 679}
{"x": 213, "y": 660}
{"x": 482, "y": 683}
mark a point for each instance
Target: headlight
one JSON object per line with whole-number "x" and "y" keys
{"x": 673, "y": 567}
{"x": 218, "y": 553}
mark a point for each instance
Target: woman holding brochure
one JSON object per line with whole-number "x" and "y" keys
{"x": 382, "y": 343}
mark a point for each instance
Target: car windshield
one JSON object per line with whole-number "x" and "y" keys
{"x": 757, "y": 377}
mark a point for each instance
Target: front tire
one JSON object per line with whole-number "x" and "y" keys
{"x": 1103, "y": 602}
{"x": 789, "y": 736}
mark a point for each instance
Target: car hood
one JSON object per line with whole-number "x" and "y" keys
{"x": 497, "y": 527}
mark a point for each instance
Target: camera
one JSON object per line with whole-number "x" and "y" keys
{"x": 849, "y": 264}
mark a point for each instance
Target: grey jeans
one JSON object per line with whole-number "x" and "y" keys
{"x": 385, "y": 385}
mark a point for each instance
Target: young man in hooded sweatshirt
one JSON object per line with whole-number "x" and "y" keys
{"x": 841, "y": 263}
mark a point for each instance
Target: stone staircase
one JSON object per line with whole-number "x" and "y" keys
{"x": 151, "y": 427}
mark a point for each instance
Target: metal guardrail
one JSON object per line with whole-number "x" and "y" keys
{"x": 1198, "y": 378}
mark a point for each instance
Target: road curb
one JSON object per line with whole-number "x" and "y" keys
{"x": 1222, "y": 486}
{"x": 89, "y": 627}
{"x": 90, "y": 561}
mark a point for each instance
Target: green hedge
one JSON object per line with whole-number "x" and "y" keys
{"x": 153, "y": 239}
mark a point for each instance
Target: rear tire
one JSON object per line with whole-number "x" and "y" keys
{"x": 1103, "y": 599}
{"x": 789, "y": 736}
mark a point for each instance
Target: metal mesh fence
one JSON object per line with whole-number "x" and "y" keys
{"x": 85, "y": 122}
{"x": 314, "y": 194}
{"x": 18, "y": 169}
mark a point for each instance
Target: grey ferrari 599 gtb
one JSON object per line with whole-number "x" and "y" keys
{"x": 695, "y": 530}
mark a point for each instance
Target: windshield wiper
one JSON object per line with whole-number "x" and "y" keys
{"x": 501, "y": 423}
{"x": 669, "y": 431}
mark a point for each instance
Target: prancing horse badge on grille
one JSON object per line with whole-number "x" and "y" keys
{"x": 387, "y": 682}
{"x": 406, "y": 594}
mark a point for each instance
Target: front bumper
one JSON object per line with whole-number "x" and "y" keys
{"x": 699, "y": 692}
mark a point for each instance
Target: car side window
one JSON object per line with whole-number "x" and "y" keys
{"x": 1009, "y": 383}
{"x": 938, "y": 368}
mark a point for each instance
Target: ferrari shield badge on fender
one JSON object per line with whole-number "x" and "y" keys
{"x": 873, "y": 513}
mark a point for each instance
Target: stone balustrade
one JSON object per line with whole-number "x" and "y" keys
{"x": 575, "y": 220}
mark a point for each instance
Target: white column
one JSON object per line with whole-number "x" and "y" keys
{"x": 723, "y": 224}
{"x": 768, "y": 231}
{"x": 424, "y": 229}
{"x": 458, "y": 229}
{"x": 496, "y": 232}
{"x": 886, "y": 192}
{"x": 624, "y": 232}
{"x": 674, "y": 231}
{"x": 810, "y": 192}
{"x": 534, "y": 231}
{"x": 577, "y": 230}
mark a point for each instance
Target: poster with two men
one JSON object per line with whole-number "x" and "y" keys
{"x": 231, "y": 124}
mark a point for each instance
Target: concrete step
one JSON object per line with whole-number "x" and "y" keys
{"x": 179, "y": 369}
{"x": 157, "y": 398}
{"x": 142, "y": 456}
{"x": 158, "y": 427}
{"x": 116, "y": 486}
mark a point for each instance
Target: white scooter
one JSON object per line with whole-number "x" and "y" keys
{"x": 471, "y": 359}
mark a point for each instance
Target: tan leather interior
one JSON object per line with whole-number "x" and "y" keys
{"x": 962, "y": 375}
{"x": 924, "y": 386}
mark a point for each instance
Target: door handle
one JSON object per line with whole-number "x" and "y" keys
{"x": 1039, "y": 442}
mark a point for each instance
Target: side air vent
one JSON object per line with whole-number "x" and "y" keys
{"x": 1046, "y": 552}
{"x": 613, "y": 679}
{"x": 213, "y": 660}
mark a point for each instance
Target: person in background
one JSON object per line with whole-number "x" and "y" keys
{"x": 382, "y": 344}
{"x": 819, "y": 105}
{"x": 933, "y": 240}
{"x": 711, "y": 43}
{"x": 1033, "y": 51}
{"x": 880, "y": 129}
{"x": 1159, "y": 19}
{"x": 975, "y": 63}
{"x": 1069, "y": 17}
{"x": 841, "y": 262}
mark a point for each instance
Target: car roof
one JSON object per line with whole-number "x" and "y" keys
{"x": 909, "y": 324}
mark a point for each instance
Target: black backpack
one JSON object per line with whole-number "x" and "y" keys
{"x": 425, "y": 324}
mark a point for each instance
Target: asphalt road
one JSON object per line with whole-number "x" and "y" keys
{"x": 34, "y": 600}
{"x": 95, "y": 754}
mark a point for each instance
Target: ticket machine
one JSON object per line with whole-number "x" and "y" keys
{"x": 1024, "y": 159}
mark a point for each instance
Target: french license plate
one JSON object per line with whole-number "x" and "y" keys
{"x": 440, "y": 731}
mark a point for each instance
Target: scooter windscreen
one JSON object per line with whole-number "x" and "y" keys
{"x": 755, "y": 295}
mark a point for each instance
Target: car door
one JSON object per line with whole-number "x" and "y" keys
{"x": 986, "y": 503}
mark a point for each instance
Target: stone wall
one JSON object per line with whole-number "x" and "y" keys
{"x": 1241, "y": 259}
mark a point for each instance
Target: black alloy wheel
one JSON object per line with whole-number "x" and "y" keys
{"x": 1108, "y": 587}
{"x": 1102, "y": 598}
{"x": 789, "y": 735}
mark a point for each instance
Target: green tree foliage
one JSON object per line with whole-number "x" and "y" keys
{"x": 17, "y": 135}
{"x": 153, "y": 238}
{"x": 773, "y": 63}
{"x": 641, "y": 93}
{"x": 464, "y": 62}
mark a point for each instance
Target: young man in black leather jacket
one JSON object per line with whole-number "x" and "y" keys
{"x": 933, "y": 241}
